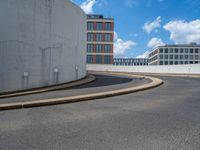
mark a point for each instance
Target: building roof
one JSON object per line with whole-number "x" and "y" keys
{"x": 97, "y": 16}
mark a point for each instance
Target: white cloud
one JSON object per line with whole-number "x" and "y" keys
{"x": 150, "y": 26}
{"x": 154, "y": 42}
{"x": 145, "y": 55}
{"x": 120, "y": 46}
{"x": 87, "y": 6}
{"x": 184, "y": 32}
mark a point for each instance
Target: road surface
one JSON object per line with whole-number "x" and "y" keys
{"x": 166, "y": 117}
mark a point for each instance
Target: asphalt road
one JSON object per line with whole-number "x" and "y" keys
{"x": 163, "y": 118}
{"x": 102, "y": 83}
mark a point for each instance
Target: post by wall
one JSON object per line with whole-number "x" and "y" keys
{"x": 172, "y": 69}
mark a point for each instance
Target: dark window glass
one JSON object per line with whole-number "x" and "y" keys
{"x": 98, "y": 48}
{"x": 166, "y": 50}
{"x": 99, "y": 37}
{"x": 107, "y": 26}
{"x": 171, "y": 50}
{"x": 107, "y": 59}
{"x": 90, "y": 37}
{"x": 90, "y": 26}
{"x": 90, "y": 48}
{"x": 98, "y": 59}
{"x": 107, "y": 48}
{"x": 181, "y": 50}
{"x": 176, "y": 50}
{"x": 89, "y": 59}
{"x": 107, "y": 37}
{"x": 191, "y": 50}
{"x": 161, "y": 50}
{"x": 99, "y": 26}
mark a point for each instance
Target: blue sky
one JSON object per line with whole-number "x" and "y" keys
{"x": 141, "y": 25}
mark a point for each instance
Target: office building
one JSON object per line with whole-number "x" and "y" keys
{"x": 130, "y": 61}
{"x": 175, "y": 54}
{"x": 100, "y": 37}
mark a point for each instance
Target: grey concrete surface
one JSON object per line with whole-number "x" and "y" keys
{"x": 42, "y": 43}
{"x": 102, "y": 83}
{"x": 164, "y": 118}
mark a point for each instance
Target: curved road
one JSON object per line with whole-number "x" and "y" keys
{"x": 167, "y": 117}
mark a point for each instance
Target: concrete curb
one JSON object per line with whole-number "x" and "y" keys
{"x": 55, "y": 101}
{"x": 89, "y": 78}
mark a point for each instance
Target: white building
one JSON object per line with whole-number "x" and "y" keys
{"x": 175, "y": 55}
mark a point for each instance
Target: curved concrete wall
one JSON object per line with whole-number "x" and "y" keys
{"x": 169, "y": 69}
{"x": 42, "y": 42}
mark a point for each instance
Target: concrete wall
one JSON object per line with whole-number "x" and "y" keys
{"x": 174, "y": 69}
{"x": 42, "y": 42}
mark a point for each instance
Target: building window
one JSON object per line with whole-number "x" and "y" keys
{"x": 196, "y": 50}
{"x": 191, "y": 56}
{"x": 176, "y": 56}
{"x": 166, "y": 62}
{"x": 191, "y": 50}
{"x": 161, "y": 62}
{"x": 186, "y": 56}
{"x": 90, "y": 26}
{"x": 181, "y": 50}
{"x": 90, "y": 37}
{"x": 107, "y": 59}
{"x": 166, "y": 50}
{"x": 161, "y": 56}
{"x": 90, "y": 48}
{"x": 107, "y": 37}
{"x": 171, "y": 50}
{"x": 181, "y": 56}
{"x": 171, "y": 57}
{"x": 176, "y": 62}
{"x": 99, "y": 26}
{"x": 89, "y": 59}
{"x": 98, "y": 48}
{"x": 166, "y": 56}
{"x": 98, "y": 59}
{"x": 161, "y": 50}
{"x": 99, "y": 37}
{"x": 108, "y": 26}
{"x": 176, "y": 50}
{"x": 107, "y": 48}
{"x": 186, "y": 50}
